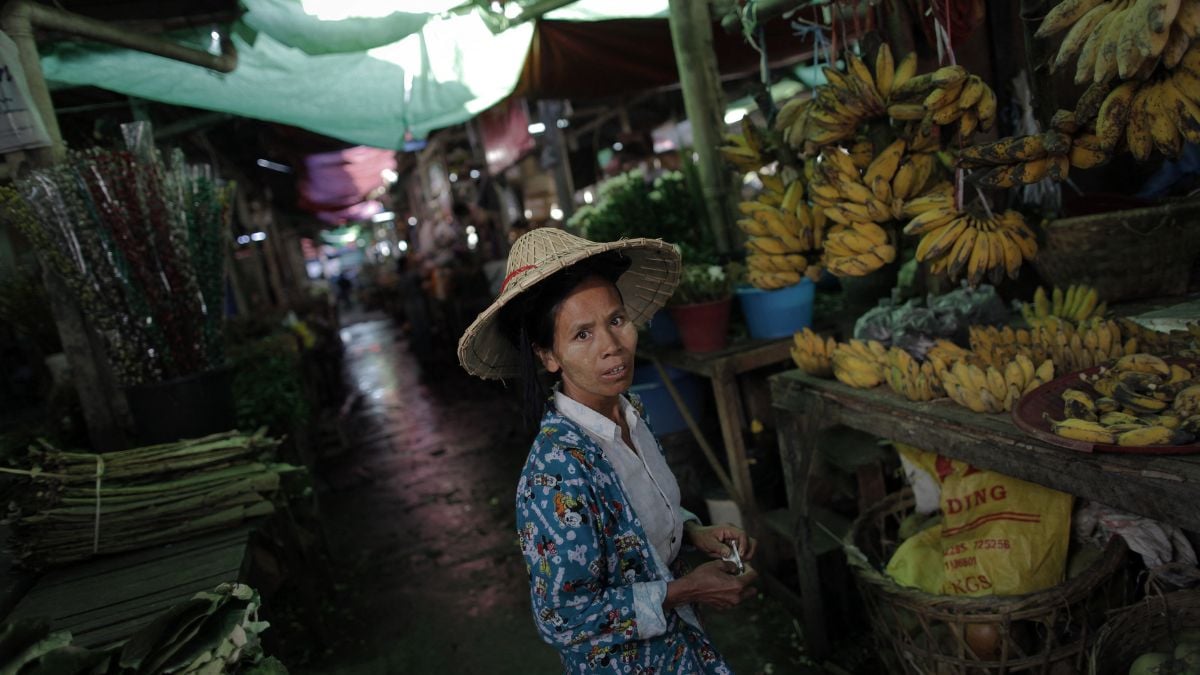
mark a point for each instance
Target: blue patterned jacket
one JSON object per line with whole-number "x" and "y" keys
{"x": 591, "y": 565}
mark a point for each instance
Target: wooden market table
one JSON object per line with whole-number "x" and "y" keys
{"x": 722, "y": 368}
{"x": 1163, "y": 487}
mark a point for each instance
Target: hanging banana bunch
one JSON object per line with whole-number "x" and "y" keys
{"x": 1121, "y": 38}
{"x": 857, "y": 249}
{"x": 876, "y": 193}
{"x": 836, "y": 111}
{"x": 779, "y": 236}
{"x": 745, "y": 151}
{"x": 1020, "y": 160}
{"x": 970, "y": 244}
{"x": 1153, "y": 108}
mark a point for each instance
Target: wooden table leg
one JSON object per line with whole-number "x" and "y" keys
{"x": 798, "y": 448}
{"x": 729, "y": 412}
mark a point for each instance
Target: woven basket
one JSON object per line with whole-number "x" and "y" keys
{"x": 1139, "y": 628}
{"x": 1137, "y": 253}
{"x": 922, "y": 634}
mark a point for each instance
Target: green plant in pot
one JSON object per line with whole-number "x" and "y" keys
{"x": 700, "y": 306}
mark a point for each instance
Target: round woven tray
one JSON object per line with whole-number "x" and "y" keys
{"x": 1134, "y": 630}
{"x": 1137, "y": 253}
{"x": 920, "y": 633}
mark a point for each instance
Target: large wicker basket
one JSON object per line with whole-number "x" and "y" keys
{"x": 1136, "y": 253}
{"x": 924, "y": 634}
{"x": 1139, "y": 628}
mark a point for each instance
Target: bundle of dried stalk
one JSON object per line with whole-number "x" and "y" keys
{"x": 73, "y": 505}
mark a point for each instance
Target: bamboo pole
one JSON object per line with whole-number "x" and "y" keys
{"x": 691, "y": 35}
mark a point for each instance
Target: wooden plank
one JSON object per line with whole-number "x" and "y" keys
{"x": 1161, "y": 487}
{"x": 78, "y": 597}
{"x": 729, "y": 411}
{"x": 745, "y": 355}
{"x": 797, "y": 448}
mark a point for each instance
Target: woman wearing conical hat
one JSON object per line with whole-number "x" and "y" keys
{"x": 598, "y": 511}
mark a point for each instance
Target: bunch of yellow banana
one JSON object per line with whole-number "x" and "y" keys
{"x": 1093, "y": 342}
{"x": 969, "y": 243}
{"x": 836, "y": 110}
{"x": 1125, "y": 38}
{"x": 745, "y": 150}
{"x": 1160, "y": 113}
{"x": 779, "y": 236}
{"x": 944, "y": 352}
{"x": 1020, "y": 160}
{"x": 813, "y": 354}
{"x": 839, "y": 108}
{"x": 912, "y": 380}
{"x": 1140, "y": 401}
{"x": 946, "y": 96}
{"x": 997, "y": 346}
{"x": 857, "y": 249}
{"x": 1183, "y": 343}
{"x": 1165, "y": 112}
{"x": 859, "y": 364}
{"x": 877, "y": 193}
{"x": 991, "y": 389}
{"x": 1078, "y": 303}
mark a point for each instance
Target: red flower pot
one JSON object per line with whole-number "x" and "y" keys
{"x": 703, "y": 327}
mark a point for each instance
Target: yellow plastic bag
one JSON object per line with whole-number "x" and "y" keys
{"x": 999, "y": 535}
{"x": 918, "y": 561}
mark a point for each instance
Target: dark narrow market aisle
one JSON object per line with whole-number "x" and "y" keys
{"x": 418, "y": 514}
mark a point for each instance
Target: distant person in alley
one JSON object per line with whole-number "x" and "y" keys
{"x": 598, "y": 512}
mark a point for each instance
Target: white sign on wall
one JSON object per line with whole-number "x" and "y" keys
{"x": 21, "y": 126}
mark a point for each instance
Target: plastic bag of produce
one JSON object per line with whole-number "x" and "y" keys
{"x": 999, "y": 536}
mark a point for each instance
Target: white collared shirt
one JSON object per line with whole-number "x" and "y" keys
{"x": 648, "y": 481}
{"x": 652, "y": 490}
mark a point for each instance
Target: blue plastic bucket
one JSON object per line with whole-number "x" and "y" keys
{"x": 662, "y": 330}
{"x": 778, "y": 313}
{"x": 661, "y": 410}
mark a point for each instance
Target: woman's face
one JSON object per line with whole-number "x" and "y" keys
{"x": 594, "y": 344}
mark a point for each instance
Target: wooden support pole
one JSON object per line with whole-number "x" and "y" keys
{"x": 691, "y": 35}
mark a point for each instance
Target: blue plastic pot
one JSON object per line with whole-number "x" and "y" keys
{"x": 778, "y": 313}
{"x": 660, "y": 407}
{"x": 662, "y": 330}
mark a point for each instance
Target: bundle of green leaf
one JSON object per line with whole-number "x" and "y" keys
{"x": 212, "y": 633}
{"x": 73, "y": 505}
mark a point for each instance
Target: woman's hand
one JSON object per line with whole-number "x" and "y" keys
{"x": 714, "y": 540}
{"x": 716, "y": 584}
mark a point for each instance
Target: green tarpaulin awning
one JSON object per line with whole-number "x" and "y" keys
{"x": 342, "y": 68}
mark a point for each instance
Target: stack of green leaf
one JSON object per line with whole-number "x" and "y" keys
{"x": 212, "y": 633}
{"x": 75, "y": 504}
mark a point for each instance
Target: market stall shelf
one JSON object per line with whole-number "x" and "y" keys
{"x": 1162, "y": 487}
